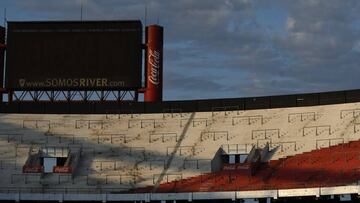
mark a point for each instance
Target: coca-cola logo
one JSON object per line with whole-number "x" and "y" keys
{"x": 154, "y": 61}
{"x": 62, "y": 169}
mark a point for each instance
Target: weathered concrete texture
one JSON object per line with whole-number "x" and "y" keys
{"x": 122, "y": 152}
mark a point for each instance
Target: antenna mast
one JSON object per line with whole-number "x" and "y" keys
{"x": 5, "y": 20}
{"x": 81, "y": 10}
{"x": 145, "y": 12}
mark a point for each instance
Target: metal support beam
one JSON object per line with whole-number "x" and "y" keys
{"x": 70, "y": 96}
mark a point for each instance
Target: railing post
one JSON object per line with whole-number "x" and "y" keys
{"x": 304, "y": 131}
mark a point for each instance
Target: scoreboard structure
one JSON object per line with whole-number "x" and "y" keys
{"x": 99, "y": 55}
{"x": 81, "y": 59}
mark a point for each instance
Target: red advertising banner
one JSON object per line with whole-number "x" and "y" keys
{"x": 62, "y": 169}
{"x": 32, "y": 169}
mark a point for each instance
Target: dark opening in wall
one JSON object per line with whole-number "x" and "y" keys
{"x": 60, "y": 161}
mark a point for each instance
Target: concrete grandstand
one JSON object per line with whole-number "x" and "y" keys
{"x": 228, "y": 154}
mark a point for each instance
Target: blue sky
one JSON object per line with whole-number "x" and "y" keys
{"x": 234, "y": 48}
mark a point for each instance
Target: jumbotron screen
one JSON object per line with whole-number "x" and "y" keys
{"x": 74, "y": 55}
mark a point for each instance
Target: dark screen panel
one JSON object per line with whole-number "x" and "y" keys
{"x": 2, "y": 35}
{"x": 74, "y": 55}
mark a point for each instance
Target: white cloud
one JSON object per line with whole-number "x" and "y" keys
{"x": 204, "y": 38}
{"x": 290, "y": 23}
{"x": 357, "y": 46}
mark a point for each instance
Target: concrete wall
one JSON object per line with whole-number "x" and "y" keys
{"x": 120, "y": 152}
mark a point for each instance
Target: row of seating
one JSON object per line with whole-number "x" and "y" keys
{"x": 145, "y": 142}
{"x": 333, "y": 166}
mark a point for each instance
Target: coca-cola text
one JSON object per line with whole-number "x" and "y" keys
{"x": 154, "y": 61}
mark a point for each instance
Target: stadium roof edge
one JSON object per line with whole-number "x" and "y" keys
{"x": 181, "y": 106}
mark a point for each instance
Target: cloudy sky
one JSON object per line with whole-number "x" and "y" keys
{"x": 234, "y": 48}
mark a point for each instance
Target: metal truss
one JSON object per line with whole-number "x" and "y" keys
{"x": 52, "y": 96}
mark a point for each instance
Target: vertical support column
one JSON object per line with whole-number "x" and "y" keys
{"x": 2, "y": 56}
{"x": 136, "y": 96}
{"x": 154, "y": 63}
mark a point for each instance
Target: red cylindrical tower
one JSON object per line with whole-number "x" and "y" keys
{"x": 154, "y": 63}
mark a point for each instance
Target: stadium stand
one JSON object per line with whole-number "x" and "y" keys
{"x": 284, "y": 148}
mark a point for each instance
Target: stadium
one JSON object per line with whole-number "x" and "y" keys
{"x": 58, "y": 144}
